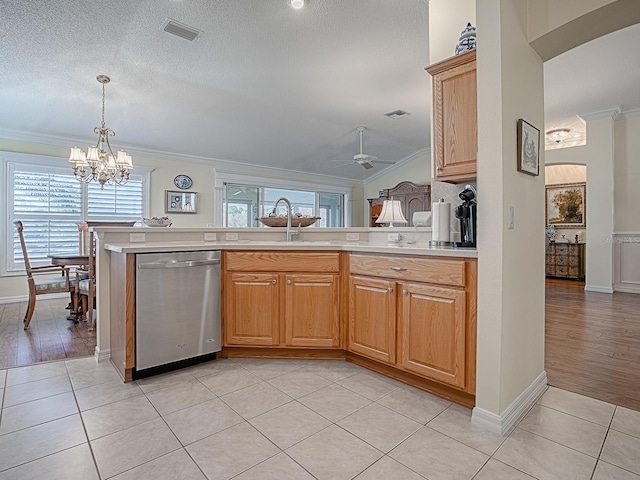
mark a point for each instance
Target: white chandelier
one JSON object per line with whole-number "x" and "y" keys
{"x": 105, "y": 166}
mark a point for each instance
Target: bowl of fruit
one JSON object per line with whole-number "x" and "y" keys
{"x": 157, "y": 221}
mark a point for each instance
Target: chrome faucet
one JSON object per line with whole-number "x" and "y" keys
{"x": 290, "y": 234}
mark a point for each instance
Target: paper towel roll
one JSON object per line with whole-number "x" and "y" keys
{"x": 441, "y": 222}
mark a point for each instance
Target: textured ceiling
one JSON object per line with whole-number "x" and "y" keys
{"x": 264, "y": 84}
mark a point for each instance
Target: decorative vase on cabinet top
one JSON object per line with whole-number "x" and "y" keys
{"x": 467, "y": 39}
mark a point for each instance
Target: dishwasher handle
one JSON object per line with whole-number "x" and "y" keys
{"x": 184, "y": 264}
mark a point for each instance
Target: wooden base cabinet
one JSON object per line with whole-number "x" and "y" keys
{"x": 432, "y": 332}
{"x": 372, "y": 320}
{"x": 252, "y": 301}
{"x": 289, "y": 299}
{"x": 311, "y": 315}
{"x": 420, "y": 319}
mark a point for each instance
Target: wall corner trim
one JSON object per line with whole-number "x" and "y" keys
{"x": 102, "y": 355}
{"x": 503, "y": 423}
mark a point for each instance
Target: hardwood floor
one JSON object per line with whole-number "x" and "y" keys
{"x": 50, "y": 336}
{"x": 593, "y": 342}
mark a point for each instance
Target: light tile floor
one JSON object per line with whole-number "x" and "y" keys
{"x": 254, "y": 419}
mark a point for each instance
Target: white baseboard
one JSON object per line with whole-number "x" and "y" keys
{"x": 627, "y": 288}
{"x": 594, "y": 288}
{"x": 102, "y": 355}
{"x": 509, "y": 418}
{"x": 25, "y": 298}
{"x": 21, "y": 298}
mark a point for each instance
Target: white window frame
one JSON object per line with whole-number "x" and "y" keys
{"x": 226, "y": 177}
{"x": 48, "y": 164}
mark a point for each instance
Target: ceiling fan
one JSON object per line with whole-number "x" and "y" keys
{"x": 363, "y": 159}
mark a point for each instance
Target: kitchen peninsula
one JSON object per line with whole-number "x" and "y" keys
{"x": 377, "y": 297}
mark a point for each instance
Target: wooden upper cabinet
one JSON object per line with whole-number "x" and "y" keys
{"x": 455, "y": 123}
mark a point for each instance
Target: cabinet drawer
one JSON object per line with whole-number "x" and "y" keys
{"x": 562, "y": 260}
{"x": 282, "y": 261}
{"x": 429, "y": 270}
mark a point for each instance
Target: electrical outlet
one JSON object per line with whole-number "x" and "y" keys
{"x": 353, "y": 237}
{"x": 393, "y": 237}
{"x": 136, "y": 237}
{"x": 231, "y": 236}
{"x": 209, "y": 237}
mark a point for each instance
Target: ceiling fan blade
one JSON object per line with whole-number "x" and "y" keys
{"x": 366, "y": 165}
{"x": 343, "y": 164}
{"x": 388, "y": 162}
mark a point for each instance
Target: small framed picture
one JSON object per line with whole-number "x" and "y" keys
{"x": 528, "y": 148}
{"x": 566, "y": 205}
{"x": 180, "y": 202}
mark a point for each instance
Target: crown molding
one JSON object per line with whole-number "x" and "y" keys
{"x": 611, "y": 112}
{"x": 635, "y": 112}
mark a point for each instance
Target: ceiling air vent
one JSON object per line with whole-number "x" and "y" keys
{"x": 180, "y": 30}
{"x": 397, "y": 114}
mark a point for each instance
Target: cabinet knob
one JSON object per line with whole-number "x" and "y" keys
{"x": 274, "y": 281}
{"x": 398, "y": 269}
{"x": 438, "y": 169}
{"x": 404, "y": 292}
{"x": 390, "y": 290}
{"x": 289, "y": 282}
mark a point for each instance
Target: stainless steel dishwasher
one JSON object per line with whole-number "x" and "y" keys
{"x": 177, "y": 308}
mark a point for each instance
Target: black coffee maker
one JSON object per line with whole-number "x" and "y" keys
{"x": 467, "y": 215}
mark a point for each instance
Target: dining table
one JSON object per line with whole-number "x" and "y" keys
{"x": 69, "y": 259}
{"x": 73, "y": 260}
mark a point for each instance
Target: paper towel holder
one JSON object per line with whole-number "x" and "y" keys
{"x": 437, "y": 243}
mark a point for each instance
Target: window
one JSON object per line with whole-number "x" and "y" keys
{"x": 50, "y": 202}
{"x": 243, "y": 203}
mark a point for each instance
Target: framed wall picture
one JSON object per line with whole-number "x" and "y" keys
{"x": 180, "y": 202}
{"x": 528, "y": 148}
{"x": 566, "y": 205}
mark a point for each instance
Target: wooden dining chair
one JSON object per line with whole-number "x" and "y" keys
{"x": 85, "y": 283}
{"x": 44, "y": 285}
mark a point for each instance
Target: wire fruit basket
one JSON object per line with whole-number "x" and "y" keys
{"x": 282, "y": 221}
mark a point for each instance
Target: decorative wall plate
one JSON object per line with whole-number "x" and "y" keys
{"x": 183, "y": 182}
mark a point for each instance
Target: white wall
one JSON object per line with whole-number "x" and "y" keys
{"x": 627, "y": 173}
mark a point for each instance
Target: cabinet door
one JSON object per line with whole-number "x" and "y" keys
{"x": 455, "y": 118}
{"x": 252, "y": 309}
{"x": 432, "y": 331}
{"x": 372, "y": 318}
{"x": 311, "y": 310}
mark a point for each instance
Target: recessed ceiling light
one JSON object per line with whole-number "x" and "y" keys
{"x": 297, "y": 4}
